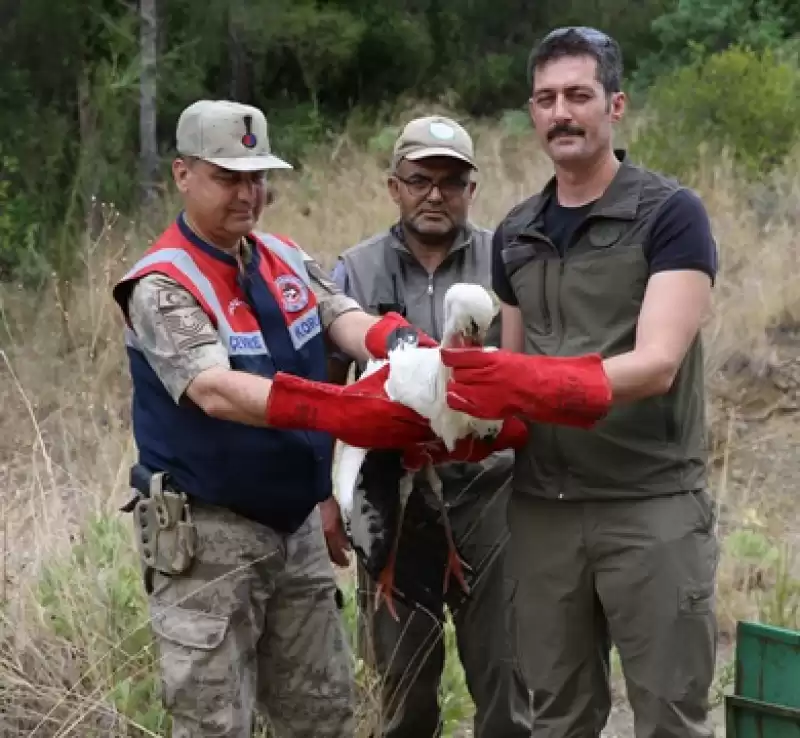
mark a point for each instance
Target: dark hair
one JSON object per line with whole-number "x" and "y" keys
{"x": 580, "y": 41}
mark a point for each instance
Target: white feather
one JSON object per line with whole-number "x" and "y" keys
{"x": 351, "y": 458}
{"x": 418, "y": 380}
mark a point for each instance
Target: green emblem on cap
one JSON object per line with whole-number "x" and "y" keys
{"x": 441, "y": 131}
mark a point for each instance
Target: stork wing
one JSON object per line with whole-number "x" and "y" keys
{"x": 422, "y": 552}
{"x": 376, "y": 508}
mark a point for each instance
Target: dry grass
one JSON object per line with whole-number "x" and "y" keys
{"x": 74, "y": 656}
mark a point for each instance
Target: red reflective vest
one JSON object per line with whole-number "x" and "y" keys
{"x": 268, "y": 320}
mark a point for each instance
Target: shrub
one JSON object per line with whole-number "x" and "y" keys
{"x": 738, "y": 99}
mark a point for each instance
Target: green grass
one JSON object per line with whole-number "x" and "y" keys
{"x": 88, "y": 619}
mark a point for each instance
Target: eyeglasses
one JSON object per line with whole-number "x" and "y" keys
{"x": 420, "y": 186}
{"x": 588, "y": 34}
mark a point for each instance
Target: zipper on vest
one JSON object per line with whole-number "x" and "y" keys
{"x": 431, "y": 294}
{"x": 546, "y": 315}
{"x": 544, "y": 306}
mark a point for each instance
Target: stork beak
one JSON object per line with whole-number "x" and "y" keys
{"x": 471, "y": 338}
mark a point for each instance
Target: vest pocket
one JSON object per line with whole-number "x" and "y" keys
{"x": 516, "y": 255}
{"x": 529, "y": 283}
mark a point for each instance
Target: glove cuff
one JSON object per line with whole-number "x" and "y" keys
{"x": 297, "y": 403}
{"x": 572, "y": 391}
{"x": 390, "y": 330}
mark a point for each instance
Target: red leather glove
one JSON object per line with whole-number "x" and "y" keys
{"x": 359, "y": 414}
{"x": 513, "y": 434}
{"x": 498, "y": 384}
{"x": 390, "y": 330}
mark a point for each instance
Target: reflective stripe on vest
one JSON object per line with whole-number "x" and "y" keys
{"x": 238, "y": 344}
{"x": 292, "y": 256}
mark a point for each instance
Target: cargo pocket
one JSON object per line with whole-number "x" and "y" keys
{"x": 196, "y": 667}
{"x": 693, "y": 645}
{"x": 706, "y": 507}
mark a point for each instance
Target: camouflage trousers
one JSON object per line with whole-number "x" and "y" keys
{"x": 253, "y": 624}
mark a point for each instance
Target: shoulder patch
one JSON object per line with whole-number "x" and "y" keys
{"x": 172, "y": 298}
{"x": 190, "y": 328}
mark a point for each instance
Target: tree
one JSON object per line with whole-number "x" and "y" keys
{"x": 147, "y": 102}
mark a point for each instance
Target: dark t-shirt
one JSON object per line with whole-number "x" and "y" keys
{"x": 680, "y": 238}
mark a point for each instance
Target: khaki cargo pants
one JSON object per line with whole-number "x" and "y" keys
{"x": 253, "y": 624}
{"x": 409, "y": 655}
{"x": 640, "y": 573}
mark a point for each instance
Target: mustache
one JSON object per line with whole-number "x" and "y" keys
{"x": 564, "y": 129}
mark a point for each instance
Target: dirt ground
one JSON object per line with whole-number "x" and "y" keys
{"x": 620, "y": 722}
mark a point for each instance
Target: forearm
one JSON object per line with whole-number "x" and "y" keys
{"x": 348, "y": 332}
{"x": 512, "y": 331}
{"x": 338, "y": 370}
{"x": 636, "y": 375}
{"x": 227, "y": 394}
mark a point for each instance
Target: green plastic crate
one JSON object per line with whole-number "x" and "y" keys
{"x": 766, "y": 698}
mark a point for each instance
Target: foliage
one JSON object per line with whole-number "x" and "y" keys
{"x": 95, "y": 601}
{"x": 739, "y": 99}
{"x": 70, "y": 125}
{"x": 710, "y": 26}
{"x": 70, "y": 128}
{"x": 96, "y": 609}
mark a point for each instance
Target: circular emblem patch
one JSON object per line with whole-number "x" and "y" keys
{"x": 441, "y": 131}
{"x": 294, "y": 293}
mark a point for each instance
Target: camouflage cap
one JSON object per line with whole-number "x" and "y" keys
{"x": 228, "y": 134}
{"x": 434, "y": 135}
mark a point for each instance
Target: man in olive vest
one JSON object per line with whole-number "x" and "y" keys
{"x": 407, "y": 269}
{"x": 605, "y": 277}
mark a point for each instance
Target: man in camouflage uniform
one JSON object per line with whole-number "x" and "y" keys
{"x": 605, "y": 277}
{"x": 408, "y": 268}
{"x": 234, "y": 424}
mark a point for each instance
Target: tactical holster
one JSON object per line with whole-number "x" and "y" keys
{"x": 165, "y": 534}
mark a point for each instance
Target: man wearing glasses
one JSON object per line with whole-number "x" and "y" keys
{"x": 407, "y": 269}
{"x": 605, "y": 277}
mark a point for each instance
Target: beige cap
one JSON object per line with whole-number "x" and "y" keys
{"x": 434, "y": 135}
{"x": 228, "y": 134}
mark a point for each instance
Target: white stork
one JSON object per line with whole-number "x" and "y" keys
{"x": 418, "y": 379}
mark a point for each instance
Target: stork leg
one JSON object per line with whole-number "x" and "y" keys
{"x": 386, "y": 578}
{"x": 455, "y": 565}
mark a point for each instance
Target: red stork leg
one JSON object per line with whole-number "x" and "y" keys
{"x": 455, "y": 565}
{"x": 386, "y": 579}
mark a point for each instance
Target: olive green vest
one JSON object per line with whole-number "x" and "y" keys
{"x": 589, "y": 301}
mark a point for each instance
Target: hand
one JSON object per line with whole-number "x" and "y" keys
{"x": 359, "y": 414}
{"x": 391, "y": 330}
{"x": 333, "y": 528}
{"x": 472, "y": 449}
{"x": 499, "y": 384}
